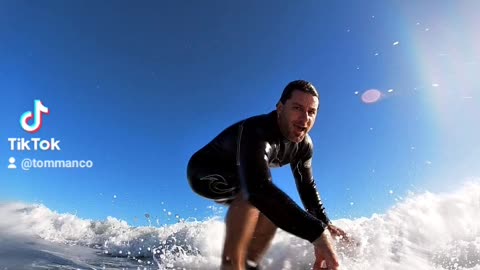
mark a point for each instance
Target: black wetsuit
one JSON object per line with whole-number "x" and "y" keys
{"x": 240, "y": 158}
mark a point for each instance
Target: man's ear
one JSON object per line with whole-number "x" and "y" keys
{"x": 279, "y": 107}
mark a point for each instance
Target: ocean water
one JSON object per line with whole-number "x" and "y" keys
{"x": 423, "y": 231}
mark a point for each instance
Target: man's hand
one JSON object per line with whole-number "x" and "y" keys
{"x": 324, "y": 252}
{"x": 339, "y": 233}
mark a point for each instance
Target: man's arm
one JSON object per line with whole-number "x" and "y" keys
{"x": 307, "y": 189}
{"x": 256, "y": 180}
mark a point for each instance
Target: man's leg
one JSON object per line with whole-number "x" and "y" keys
{"x": 262, "y": 238}
{"x": 241, "y": 220}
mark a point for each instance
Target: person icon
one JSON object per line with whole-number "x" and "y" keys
{"x": 12, "y": 163}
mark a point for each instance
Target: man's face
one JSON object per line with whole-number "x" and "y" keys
{"x": 297, "y": 116}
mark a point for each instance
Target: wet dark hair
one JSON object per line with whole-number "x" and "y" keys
{"x": 299, "y": 85}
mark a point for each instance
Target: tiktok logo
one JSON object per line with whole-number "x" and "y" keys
{"x": 38, "y": 109}
{"x": 37, "y": 144}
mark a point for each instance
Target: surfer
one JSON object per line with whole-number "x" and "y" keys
{"x": 234, "y": 169}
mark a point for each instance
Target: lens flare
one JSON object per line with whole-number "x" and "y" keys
{"x": 371, "y": 96}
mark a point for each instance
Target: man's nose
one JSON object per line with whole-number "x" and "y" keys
{"x": 304, "y": 117}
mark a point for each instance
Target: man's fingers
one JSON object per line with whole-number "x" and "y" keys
{"x": 336, "y": 232}
{"x": 317, "y": 265}
{"x": 329, "y": 265}
{"x": 332, "y": 262}
{"x": 332, "y": 266}
{"x": 319, "y": 260}
{"x": 328, "y": 261}
{"x": 324, "y": 252}
{"x": 324, "y": 265}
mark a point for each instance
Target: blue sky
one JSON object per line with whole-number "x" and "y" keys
{"x": 139, "y": 87}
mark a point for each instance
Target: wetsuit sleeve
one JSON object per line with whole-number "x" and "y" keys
{"x": 307, "y": 189}
{"x": 252, "y": 162}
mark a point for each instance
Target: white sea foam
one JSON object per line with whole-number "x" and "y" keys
{"x": 425, "y": 231}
